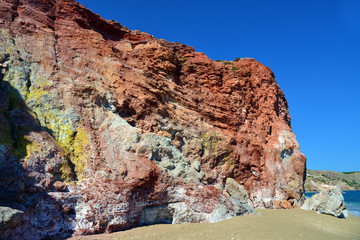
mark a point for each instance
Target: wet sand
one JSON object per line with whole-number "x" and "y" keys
{"x": 264, "y": 224}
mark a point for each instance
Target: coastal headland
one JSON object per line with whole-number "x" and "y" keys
{"x": 347, "y": 181}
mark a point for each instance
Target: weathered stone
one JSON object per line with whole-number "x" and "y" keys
{"x": 156, "y": 215}
{"x": 196, "y": 165}
{"x": 219, "y": 187}
{"x": 281, "y": 204}
{"x": 60, "y": 186}
{"x": 201, "y": 175}
{"x": 236, "y": 191}
{"x": 224, "y": 209}
{"x": 119, "y": 116}
{"x": 328, "y": 201}
{"x": 9, "y": 217}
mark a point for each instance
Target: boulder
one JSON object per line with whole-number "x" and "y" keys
{"x": 60, "y": 186}
{"x": 236, "y": 191}
{"x": 328, "y": 201}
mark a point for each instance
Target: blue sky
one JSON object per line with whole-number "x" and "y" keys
{"x": 313, "y": 47}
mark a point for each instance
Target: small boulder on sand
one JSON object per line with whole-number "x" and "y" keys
{"x": 328, "y": 201}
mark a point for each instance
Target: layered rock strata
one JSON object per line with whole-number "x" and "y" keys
{"x": 104, "y": 128}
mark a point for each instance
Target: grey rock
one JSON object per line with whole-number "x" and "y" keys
{"x": 183, "y": 213}
{"x": 167, "y": 156}
{"x": 201, "y": 175}
{"x": 328, "y": 201}
{"x": 236, "y": 191}
{"x": 156, "y": 215}
{"x": 9, "y": 217}
{"x": 46, "y": 219}
{"x": 196, "y": 165}
{"x": 223, "y": 213}
{"x": 219, "y": 187}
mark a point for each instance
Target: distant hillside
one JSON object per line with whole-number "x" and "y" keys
{"x": 345, "y": 180}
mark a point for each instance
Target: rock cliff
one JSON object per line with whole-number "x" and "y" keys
{"x": 105, "y": 128}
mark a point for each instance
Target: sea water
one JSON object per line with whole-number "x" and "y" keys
{"x": 352, "y": 201}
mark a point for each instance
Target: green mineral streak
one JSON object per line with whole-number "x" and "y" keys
{"x": 210, "y": 142}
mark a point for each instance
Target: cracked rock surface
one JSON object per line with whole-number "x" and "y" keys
{"x": 103, "y": 128}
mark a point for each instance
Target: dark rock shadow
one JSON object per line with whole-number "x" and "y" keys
{"x": 108, "y": 29}
{"x": 24, "y": 187}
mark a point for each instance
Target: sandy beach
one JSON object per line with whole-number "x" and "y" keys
{"x": 264, "y": 224}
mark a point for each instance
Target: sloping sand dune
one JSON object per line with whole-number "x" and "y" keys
{"x": 264, "y": 224}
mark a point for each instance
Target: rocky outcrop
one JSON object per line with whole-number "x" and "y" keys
{"x": 9, "y": 217}
{"x": 328, "y": 201}
{"x": 104, "y": 128}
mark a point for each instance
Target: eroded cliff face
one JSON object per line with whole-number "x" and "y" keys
{"x": 104, "y": 128}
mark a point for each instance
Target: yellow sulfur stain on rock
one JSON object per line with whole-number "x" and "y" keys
{"x": 51, "y": 118}
{"x": 210, "y": 142}
{"x": 36, "y": 95}
{"x": 31, "y": 147}
{"x": 59, "y": 127}
{"x": 66, "y": 173}
{"x": 80, "y": 155}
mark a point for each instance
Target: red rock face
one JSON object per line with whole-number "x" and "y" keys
{"x": 132, "y": 122}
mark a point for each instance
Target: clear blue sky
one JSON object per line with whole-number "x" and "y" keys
{"x": 313, "y": 47}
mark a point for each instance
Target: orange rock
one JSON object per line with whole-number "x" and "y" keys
{"x": 145, "y": 109}
{"x": 60, "y": 186}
